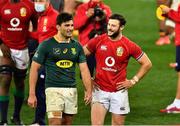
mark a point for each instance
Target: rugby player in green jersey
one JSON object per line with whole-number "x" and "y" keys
{"x": 59, "y": 55}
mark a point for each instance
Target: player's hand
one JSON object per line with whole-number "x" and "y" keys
{"x": 5, "y": 50}
{"x": 90, "y": 12}
{"x": 165, "y": 9}
{"x": 88, "y": 97}
{"x": 124, "y": 85}
{"x": 32, "y": 101}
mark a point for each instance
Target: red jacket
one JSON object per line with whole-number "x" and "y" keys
{"x": 175, "y": 16}
{"x": 86, "y": 25}
{"x": 46, "y": 25}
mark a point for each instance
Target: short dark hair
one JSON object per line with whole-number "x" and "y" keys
{"x": 63, "y": 17}
{"x": 119, "y": 17}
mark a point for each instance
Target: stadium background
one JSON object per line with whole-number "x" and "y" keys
{"x": 156, "y": 90}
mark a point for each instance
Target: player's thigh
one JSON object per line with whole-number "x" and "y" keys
{"x": 119, "y": 103}
{"x": 54, "y": 102}
{"x": 70, "y": 98}
{"x": 99, "y": 106}
{"x": 98, "y": 113}
{"x": 21, "y": 58}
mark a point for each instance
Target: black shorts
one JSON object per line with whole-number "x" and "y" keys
{"x": 178, "y": 58}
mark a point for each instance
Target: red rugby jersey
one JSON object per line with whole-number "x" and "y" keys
{"x": 46, "y": 25}
{"x": 175, "y": 16}
{"x": 112, "y": 59}
{"x": 15, "y": 18}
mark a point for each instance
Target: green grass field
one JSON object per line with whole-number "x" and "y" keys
{"x": 156, "y": 90}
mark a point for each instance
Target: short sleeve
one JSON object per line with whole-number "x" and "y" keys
{"x": 92, "y": 44}
{"x": 40, "y": 54}
{"x": 81, "y": 57}
{"x": 136, "y": 51}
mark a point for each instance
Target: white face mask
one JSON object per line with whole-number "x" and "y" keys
{"x": 40, "y": 7}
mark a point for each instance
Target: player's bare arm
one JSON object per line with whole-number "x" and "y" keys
{"x": 32, "y": 101}
{"x": 86, "y": 78}
{"x": 146, "y": 64}
{"x": 86, "y": 50}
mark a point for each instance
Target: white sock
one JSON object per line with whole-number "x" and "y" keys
{"x": 177, "y": 103}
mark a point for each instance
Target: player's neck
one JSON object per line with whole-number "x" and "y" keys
{"x": 118, "y": 37}
{"x": 61, "y": 39}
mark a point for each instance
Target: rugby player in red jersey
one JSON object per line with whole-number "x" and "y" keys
{"x": 113, "y": 51}
{"x": 15, "y": 16}
{"x": 174, "y": 107}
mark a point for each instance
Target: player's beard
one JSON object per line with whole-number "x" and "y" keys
{"x": 115, "y": 34}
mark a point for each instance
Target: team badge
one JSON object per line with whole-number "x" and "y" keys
{"x": 23, "y": 12}
{"x": 73, "y": 50}
{"x": 56, "y": 51}
{"x": 45, "y": 21}
{"x": 65, "y": 50}
{"x": 119, "y": 51}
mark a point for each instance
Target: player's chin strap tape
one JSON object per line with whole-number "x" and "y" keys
{"x": 20, "y": 73}
{"x": 6, "y": 69}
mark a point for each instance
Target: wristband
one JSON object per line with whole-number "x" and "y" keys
{"x": 135, "y": 78}
{"x": 133, "y": 82}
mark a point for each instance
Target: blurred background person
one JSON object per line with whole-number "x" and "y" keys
{"x": 174, "y": 107}
{"x": 90, "y": 20}
{"x": 46, "y": 28}
{"x": 166, "y": 27}
{"x": 15, "y": 16}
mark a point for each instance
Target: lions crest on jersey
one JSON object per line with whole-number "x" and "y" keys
{"x": 23, "y": 12}
{"x": 119, "y": 51}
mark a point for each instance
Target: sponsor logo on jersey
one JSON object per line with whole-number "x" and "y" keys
{"x": 56, "y": 51}
{"x": 103, "y": 47}
{"x": 110, "y": 62}
{"x": 119, "y": 51}
{"x": 7, "y": 11}
{"x": 64, "y": 63}
{"x": 65, "y": 51}
{"x": 73, "y": 50}
{"x": 14, "y": 22}
{"x": 23, "y": 12}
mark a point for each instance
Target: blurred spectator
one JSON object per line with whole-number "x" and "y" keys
{"x": 90, "y": 20}
{"x": 166, "y": 27}
{"x": 175, "y": 16}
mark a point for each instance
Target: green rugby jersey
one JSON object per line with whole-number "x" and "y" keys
{"x": 59, "y": 60}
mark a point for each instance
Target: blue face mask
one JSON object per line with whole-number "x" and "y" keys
{"x": 40, "y": 7}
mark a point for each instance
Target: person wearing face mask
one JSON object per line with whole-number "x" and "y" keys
{"x": 113, "y": 51}
{"x": 15, "y": 16}
{"x": 46, "y": 28}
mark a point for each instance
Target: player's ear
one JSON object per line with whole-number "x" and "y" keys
{"x": 122, "y": 27}
{"x": 58, "y": 27}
